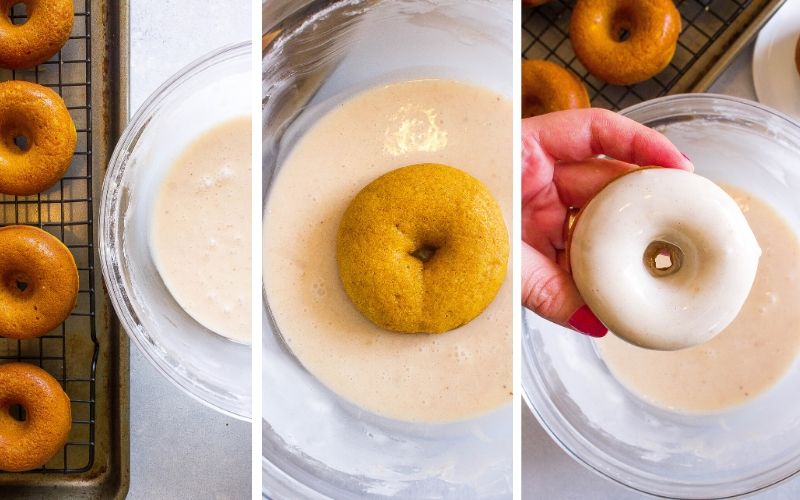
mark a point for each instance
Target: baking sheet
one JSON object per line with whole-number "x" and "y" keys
{"x": 89, "y": 354}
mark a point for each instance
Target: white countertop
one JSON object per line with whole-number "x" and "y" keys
{"x": 547, "y": 471}
{"x": 179, "y": 447}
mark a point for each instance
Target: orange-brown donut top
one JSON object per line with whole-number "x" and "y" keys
{"x": 46, "y": 30}
{"x": 422, "y": 249}
{"x": 40, "y": 115}
{"x": 547, "y": 87}
{"x": 31, "y": 443}
{"x": 38, "y": 282}
{"x": 652, "y": 28}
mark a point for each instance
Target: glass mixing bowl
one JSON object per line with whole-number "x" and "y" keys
{"x": 316, "y": 445}
{"x": 604, "y": 426}
{"x": 207, "y": 366}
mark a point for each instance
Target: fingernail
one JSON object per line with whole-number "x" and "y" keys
{"x": 584, "y": 321}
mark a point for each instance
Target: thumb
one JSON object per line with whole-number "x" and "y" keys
{"x": 548, "y": 290}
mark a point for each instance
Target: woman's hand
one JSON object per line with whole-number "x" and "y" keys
{"x": 559, "y": 171}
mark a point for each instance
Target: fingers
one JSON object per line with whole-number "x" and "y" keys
{"x": 580, "y": 134}
{"x": 578, "y": 181}
{"x": 549, "y": 291}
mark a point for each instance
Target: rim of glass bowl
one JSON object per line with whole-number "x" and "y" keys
{"x": 572, "y": 441}
{"x": 108, "y": 247}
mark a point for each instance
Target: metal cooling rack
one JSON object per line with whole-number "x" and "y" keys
{"x": 69, "y": 353}
{"x": 545, "y": 35}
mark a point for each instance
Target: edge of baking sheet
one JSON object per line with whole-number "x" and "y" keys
{"x": 738, "y": 35}
{"x": 109, "y": 476}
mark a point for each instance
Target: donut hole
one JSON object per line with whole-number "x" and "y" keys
{"x": 18, "y": 283}
{"x": 18, "y": 13}
{"x": 21, "y": 141}
{"x": 18, "y": 413}
{"x": 424, "y": 253}
{"x": 662, "y": 258}
{"x": 532, "y": 106}
{"x": 621, "y": 27}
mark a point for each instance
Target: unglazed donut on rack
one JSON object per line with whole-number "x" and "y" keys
{"x": 38, "y": 282}
{"x": 45, "y": 31}
{"x": 547, "y": 87}
{"x": 40, "y": 116}
{"x": 663, "y": 257}
{"x": 652, "y": 28}
{"x": 29, "y": 444}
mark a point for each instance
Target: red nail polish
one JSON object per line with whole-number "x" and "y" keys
{"x": 587, "y": 323}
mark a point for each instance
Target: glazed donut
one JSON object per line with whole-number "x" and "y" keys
{"x": 29, "y": 444}
{"x": 422, "y": 249}
{"x": 652, "y": 28}
{"x": 38, "y": 114}
{"x": 548, "y": 87}
{"x": 39, "y": 284}
{"x": 663, "y": 257}
{"x": 45, "y": 31}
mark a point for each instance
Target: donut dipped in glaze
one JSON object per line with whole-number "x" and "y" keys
{"x": 422, "y": 249}
{"x": 663, "y": 257}
{"x": 29, "y": 444}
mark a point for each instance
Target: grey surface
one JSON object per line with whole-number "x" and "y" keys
{"x": 180, "y": 448}
{"x": 547, "y": 471}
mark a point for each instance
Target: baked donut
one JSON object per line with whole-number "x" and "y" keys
{"x": 548, "y": 87}
{"x": 45, "y": 31}
{"x": 624, "y": 41}
{"x": 29, "y": 444}
{"x": 39, "y": 284}
{"x": 422, "y": 249}
{"x": 38, "y": 114}
{"x": 663, "y": 257}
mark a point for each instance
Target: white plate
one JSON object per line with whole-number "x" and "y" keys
{"x": 775, "y": 74}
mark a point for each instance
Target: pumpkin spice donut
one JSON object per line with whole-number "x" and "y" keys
{"x": 29, "y": 444}
{"x": 547, "y": 87}
{"x": 665, "y": 258}
{"x": 624, "y": 42}
{"x": 45, "y": 31}
{"x": 422, "y": 249}
{"x": 38, "y": 282}
{"x": 39, "y": 115}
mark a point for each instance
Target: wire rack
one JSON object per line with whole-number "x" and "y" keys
{"x": 545, "y": 35}
{"x": 70, "y": 352}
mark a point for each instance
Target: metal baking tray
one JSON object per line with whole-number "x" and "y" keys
{"x": 88, "y": 354}
{"x": 713, "y": 33}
